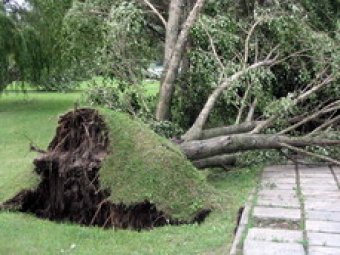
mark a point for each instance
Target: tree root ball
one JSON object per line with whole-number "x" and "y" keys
{"x": 70, "y": 188}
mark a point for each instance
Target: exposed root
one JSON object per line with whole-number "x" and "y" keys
{"x": 70, "y": 190}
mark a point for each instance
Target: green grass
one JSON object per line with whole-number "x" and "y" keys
{"x": 34, "y": 116}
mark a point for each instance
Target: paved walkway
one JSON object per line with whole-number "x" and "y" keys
{"x": 296, "y": 212}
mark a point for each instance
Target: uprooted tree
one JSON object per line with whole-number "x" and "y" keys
{"x": 265, "y": 79}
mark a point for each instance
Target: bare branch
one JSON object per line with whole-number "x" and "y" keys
{"x": 246, "y": 45}
{"x": 195, "y": 131}
{"x": 243, "y": 104}
{"x": 251, "y": 112}
{"x": 213, "y": 48}
{"x": 155, "y": 11}
{"x": 309, "y": 118}
{"x": 311, "y": 154}
{"x": 302, "y": 97}
{"x": 325, "y": 125}
{"x": 229, "y": 130}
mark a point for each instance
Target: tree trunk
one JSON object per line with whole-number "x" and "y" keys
{"x": 200, "y": 149}
{"x": 167, "y": 86}
{"x": 216, "y": 161}
{"x": 172, "y": 29}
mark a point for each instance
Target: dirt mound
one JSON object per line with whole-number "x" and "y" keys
{"x": 70, "y": 188}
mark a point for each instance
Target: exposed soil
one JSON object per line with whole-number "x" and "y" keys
{"x": 70, "y": 189}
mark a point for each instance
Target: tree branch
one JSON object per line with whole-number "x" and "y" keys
{"x": 251, "y": 112}
{"x": 243, "y": 104}
{"x": 309, "y": 118}
{"x": 311, "y": 154}
{"x": 302, "y": 97}
{"x": 155, "y": 11}
{"x": 228, "y": 130}
{"x": 324, "y": 125}
{"x": 195, "y": 131}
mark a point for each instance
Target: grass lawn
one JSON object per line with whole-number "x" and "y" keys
{"x": 33, "y": 117}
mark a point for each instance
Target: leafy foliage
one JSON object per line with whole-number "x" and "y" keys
{"x": 111, "y": 39}
{"x": 130, "y": 99}
{"x": 305, "y": 50}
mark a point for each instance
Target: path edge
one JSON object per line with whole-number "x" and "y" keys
{"x": 241, "y": 228}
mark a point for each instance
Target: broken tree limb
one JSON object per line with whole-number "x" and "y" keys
{"x": 229, "y": 130}
{"x": 199, "y": 149}
{"x": 216, "y": 161}
{"x": 311, "y": 154}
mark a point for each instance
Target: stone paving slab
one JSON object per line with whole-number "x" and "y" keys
{"x": 318, "y": 181}
{"x": 310, "y": 187}
{"x": 313, "y": 175}
{"x": 277, "y": 213}
{"x": 326, "y": 206}
{"x": 278, "y": 186}
{"x": 278, "y": 175}
{"x": 323, "y": 239}
{"x": 334, "y": 200}
{"x": 283, "y": 180}
{"x": 277, "y": 193}
{"x": 320, "y": 193}
{"x": 316, "y": 169}
{"x": 275, "y": 235}
{"x": 272, "y": 248}
{"x": 319, "y": 250}
{"x": 323, "y": 226}
{"x": 323, "y": 216}
{"x": 283, "y": 168}
{"x": 278, "y": 202}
